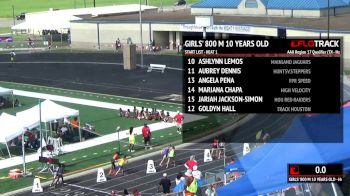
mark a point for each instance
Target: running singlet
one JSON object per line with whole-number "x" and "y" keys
{"x": 121, "y": 162}
{"x": 172, "y": 153}
{"x": 132, "y": 138}
{"x": 191, "y": 163}
{"x": 165, "y": 151}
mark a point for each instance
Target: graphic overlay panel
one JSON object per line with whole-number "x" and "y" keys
{"x": 315, "y": 173}
{"x": 276, "y": 76}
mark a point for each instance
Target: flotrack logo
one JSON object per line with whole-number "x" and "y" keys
{"x": 314, "y": 43}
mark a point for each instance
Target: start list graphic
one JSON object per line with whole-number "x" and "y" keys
{"x": 247, "y": 75}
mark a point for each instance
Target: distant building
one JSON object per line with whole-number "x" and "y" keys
{"x": 282, "y": 8}
{"x": 60, "y": 20}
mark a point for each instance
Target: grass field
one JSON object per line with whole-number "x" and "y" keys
{"x": 43, "y": 5}
{"x": 5, "y": 30}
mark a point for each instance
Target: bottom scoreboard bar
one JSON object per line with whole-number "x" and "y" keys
{"x": 315, "y": 179}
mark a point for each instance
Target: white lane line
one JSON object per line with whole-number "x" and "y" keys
{"x": 87, "y": 188}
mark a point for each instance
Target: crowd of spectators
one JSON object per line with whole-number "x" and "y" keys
{"x": 145, "y": 114}
{"x": 31, "y": 140}
{"x": 7, "y": 103}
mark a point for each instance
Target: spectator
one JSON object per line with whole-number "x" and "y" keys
{"x": 132, "y": 140}
{"x": 165, "y": 153}
{"x": 136, "y": 193}
{"x": 113, "y": 160}
{"x": 196, "y": 173}
{"x": 126, "y": 193}
{"x": 210, "y": 191}
{"x": 191, "y": 185}
{"x": 162, "y": 115}
{"x": 165, "y": 183}
{"x": 171, "y": 156}
{"x": 17, "y": 104}
{"x": 146, "y": 132}
{"x": 221, "y": 148}
{"x": 121, "y": 164}
{"x": 113, "y": 193}
{"x": 75, "y": 126}
{"x": 215, "y": 147}
{"x": 167, "y": 117}
{"x": 178, "y": 178}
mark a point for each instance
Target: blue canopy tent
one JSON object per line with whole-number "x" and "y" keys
{"x": 270, "y": 173}
{"x": 248, "y": 161}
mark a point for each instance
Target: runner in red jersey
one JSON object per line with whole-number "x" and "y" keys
{"x": 179, "y": 117}
{"x": 190, "y": 163}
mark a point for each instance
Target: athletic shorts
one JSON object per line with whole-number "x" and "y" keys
{"x": 120, "y": 167}
{"x": 179, "y": 125}
{"x": 171, "y": 159}
{"x": 147, "y": 140}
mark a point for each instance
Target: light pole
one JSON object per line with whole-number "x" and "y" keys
{"x": 41, "y": 134}
{"x": 13, "y": 15}
{"x": 141, "y": 34}
{"x": 328, "y": 22}
{"x": 23, "y": 153}
{"x": 118, "y": 129}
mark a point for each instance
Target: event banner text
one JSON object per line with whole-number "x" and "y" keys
{"x": 250, "y": 75}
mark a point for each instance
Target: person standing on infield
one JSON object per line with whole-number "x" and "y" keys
{"x": 179, "y": 117}
{"x": 132, "y": 140}
{"x": 146, "y": 132}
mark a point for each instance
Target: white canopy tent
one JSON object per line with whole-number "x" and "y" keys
{"x": 8, "y": 124}
{"x": 6, "y": 91}
{"x": 12, "y": 127}
{"x": 49, "y": 111}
